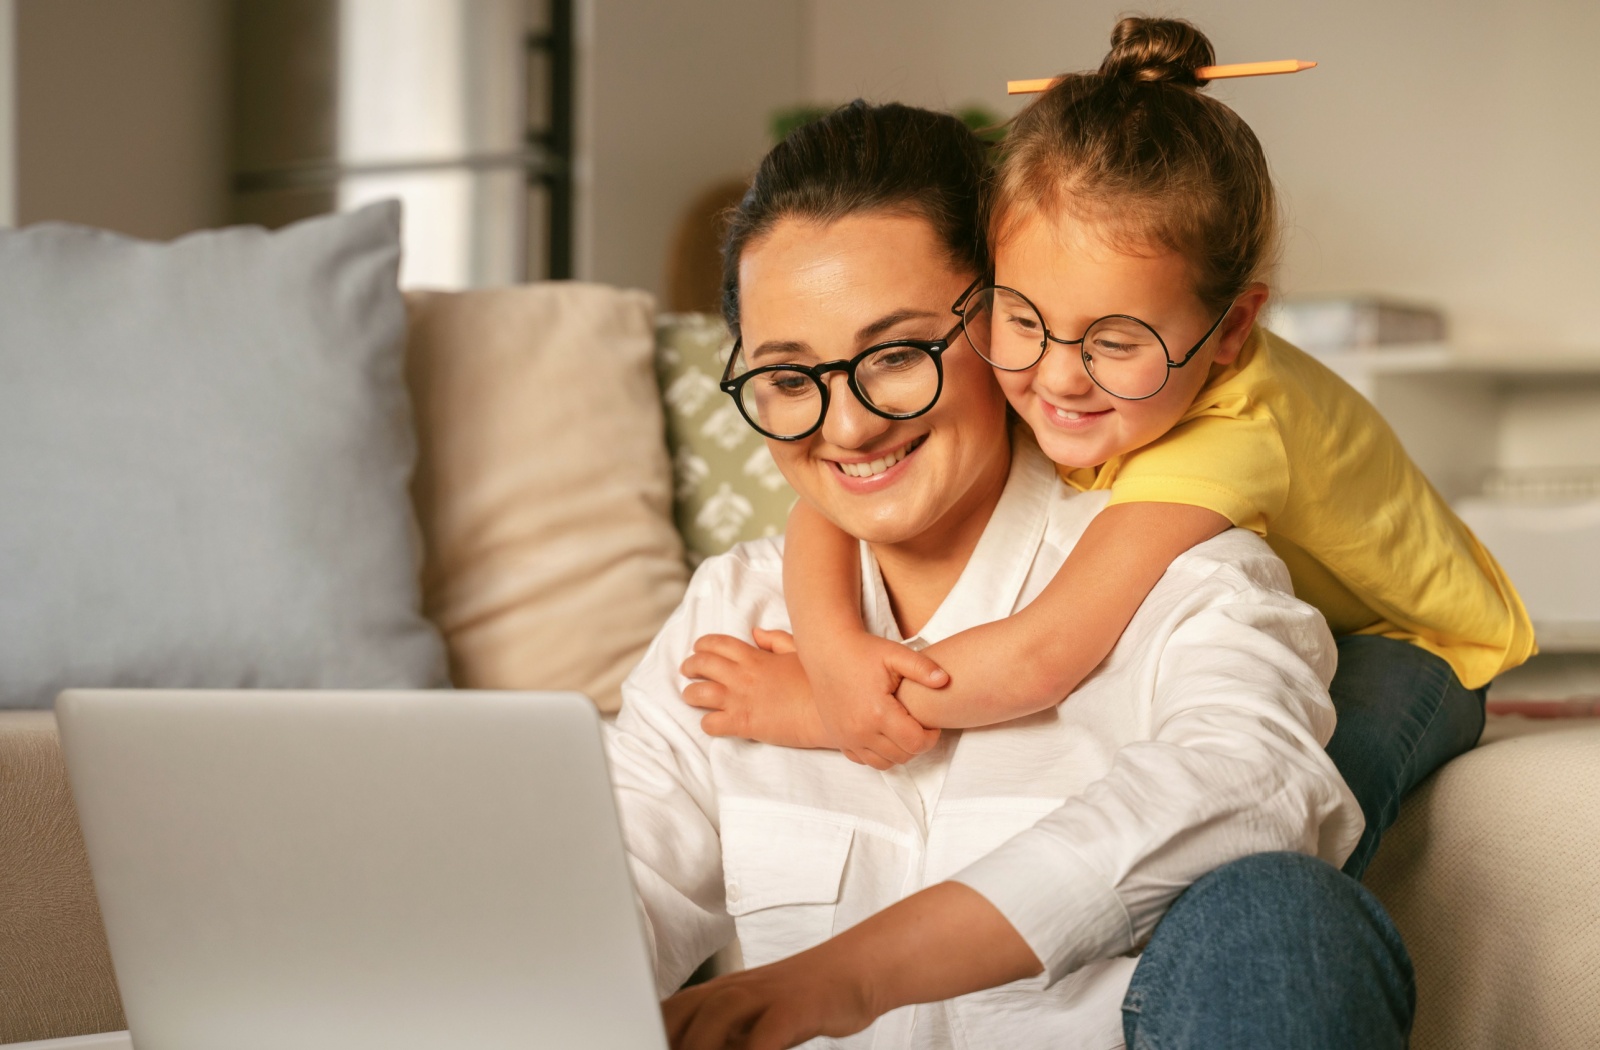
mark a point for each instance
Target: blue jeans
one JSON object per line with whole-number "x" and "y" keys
{"x": 1274, "y": 950}
{"x": 1403, "y": 713}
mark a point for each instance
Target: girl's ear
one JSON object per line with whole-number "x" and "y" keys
{"x": 1241, "y": 319}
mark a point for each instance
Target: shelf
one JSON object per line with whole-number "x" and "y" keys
{"x": 1441, "y": 358}
{"x": 1511, "y": 437}
{"x": 1567, "y": 637}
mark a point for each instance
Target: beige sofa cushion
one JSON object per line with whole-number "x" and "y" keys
{"x": 55, "y": 967}
{"x": 1493, "y": 875}
{"x": 543, "y": 486}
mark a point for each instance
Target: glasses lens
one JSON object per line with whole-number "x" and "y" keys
{"x": 1125, "y": 357}
{"x": 783, "y": 402}
{"x": 898, "y": 380}
{"x": 1004, "y": 329}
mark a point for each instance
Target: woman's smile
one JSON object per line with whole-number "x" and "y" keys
{"x": 872, "y": 471}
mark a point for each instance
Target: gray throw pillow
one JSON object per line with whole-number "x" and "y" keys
{"x": 205, "y": 448}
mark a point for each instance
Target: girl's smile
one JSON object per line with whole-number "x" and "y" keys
{"x": 1076, "y": 419}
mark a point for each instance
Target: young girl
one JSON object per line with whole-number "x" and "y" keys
{"x": 1133, "y": 225}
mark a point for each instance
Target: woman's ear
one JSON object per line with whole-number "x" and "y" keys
{"x": 1241, "y": 319}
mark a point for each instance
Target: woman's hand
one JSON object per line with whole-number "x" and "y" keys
{"x": 772, "y": 1007}
{"x": 939, "y": 943}
{"x": 755, "y": 692}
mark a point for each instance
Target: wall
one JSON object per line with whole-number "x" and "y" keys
{"x": 1438, "y": 152}
{"x": 7, "y": 111}
{"x": 673, "y": 98}
{"x": 122, "y": 113}
{"x": 1442, "y": 152}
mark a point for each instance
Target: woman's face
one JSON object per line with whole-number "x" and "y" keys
{"x": 811, "y": 292}
{"x": 1070, "y": 272}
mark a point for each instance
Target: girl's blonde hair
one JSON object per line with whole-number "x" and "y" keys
{"x": 1137, "y": 150}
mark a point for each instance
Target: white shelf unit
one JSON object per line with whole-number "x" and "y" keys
{"x": 1468, "y": 417}
{"x": 1465, "y": 415}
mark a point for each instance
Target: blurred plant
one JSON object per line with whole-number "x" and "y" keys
{"x": 985, "y": 123}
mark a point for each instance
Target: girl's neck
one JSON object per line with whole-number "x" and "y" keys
{"x": 920, "y": 573}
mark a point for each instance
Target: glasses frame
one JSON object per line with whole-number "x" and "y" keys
{"x": 934, "y": 348}
{"x": 1083, "y": 355}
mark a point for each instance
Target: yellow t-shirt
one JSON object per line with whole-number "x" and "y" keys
{"x": 1280, "y": 445}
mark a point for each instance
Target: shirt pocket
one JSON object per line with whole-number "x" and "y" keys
{"x": 782, "y": 872}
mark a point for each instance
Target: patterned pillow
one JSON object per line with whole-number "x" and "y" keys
{"x": 728, "y": 488}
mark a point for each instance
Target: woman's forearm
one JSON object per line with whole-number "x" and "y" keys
{"x": 945, "y": 941}
{"x": 941, "y": 942}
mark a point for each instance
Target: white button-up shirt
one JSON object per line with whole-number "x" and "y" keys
{"x": 1198, "y": 741}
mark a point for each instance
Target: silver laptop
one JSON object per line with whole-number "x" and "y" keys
{"x": 387, "y": 870}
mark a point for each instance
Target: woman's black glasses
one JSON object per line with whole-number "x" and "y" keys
{"x": 899, "y": 379}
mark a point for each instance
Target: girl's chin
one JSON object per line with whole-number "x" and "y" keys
{"x": 1073, "y": 455}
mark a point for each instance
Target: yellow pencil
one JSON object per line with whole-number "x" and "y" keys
{"x": 1240, "y": 69}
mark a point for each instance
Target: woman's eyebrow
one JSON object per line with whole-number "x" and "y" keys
{"x": 792, "y": 347}
{"x": 784, "y": 347}
{"x": 888, "y": 321}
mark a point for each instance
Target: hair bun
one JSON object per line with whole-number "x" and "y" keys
{"x": 1157, "y": 50}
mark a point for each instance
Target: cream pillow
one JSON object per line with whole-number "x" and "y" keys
{"x": 543, "y": 486}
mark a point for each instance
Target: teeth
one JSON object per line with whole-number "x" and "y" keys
{"x": 877, "y": 466}
{"x": 1064, "y": 414}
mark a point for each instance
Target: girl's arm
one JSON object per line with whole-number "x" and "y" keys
{"x": 881, "y": 695}
{"x": 853, "y": 674}
{"x": 1033, "y": 659}
{"x": 941, "y": 942}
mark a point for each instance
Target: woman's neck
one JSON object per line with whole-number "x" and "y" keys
{"x": 920, "y": 573}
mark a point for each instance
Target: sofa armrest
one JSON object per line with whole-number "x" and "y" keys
{"x": 1490, "y": 874}
{"x": 55, "y": 967}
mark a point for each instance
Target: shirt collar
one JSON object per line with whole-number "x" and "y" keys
{"x": 991, "y": 584}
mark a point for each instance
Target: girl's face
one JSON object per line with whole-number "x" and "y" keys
{"x": 814, "y": 292}
{"x": 1068, "y": 269}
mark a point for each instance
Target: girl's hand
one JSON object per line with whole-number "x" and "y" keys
{"x": 772, "y": 1007}
{"x": 753, "y": 693}
{"x": 854, "y": 697}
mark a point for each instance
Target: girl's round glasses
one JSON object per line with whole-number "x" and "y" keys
{"x": 1123, "y": 355}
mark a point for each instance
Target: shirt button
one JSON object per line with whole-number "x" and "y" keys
{"x": 733, "y": 892}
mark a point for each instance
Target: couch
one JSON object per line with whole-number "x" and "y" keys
{"x": 555, "y": 541}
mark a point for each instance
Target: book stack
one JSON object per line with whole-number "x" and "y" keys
{"x": 1326, "y": 325}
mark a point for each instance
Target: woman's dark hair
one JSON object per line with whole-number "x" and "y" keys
{"x": 863, "y": 158}
{"x": 1135, "y": 148}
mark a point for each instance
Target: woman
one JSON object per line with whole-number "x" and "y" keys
{"x": 1006, "y": 877}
